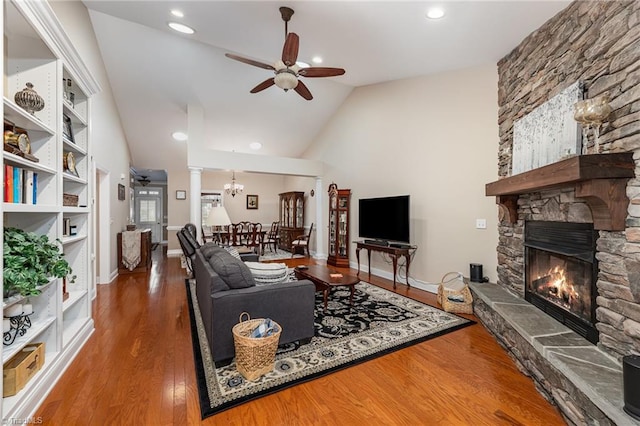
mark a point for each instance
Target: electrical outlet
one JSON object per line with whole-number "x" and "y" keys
{"x": 481, "y": 223}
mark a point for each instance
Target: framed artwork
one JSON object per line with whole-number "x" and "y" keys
{"x": 67, "y": 129}
{"x": 121, "y": 194}
{"x": 181, "y": 194}
{"x": 252, "y": 202}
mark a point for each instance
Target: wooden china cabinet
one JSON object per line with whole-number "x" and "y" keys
{"x": 291, "y": 217}
{"x": 339, "y": 200}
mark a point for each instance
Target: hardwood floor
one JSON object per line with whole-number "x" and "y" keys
{"x": 138, "y": 369}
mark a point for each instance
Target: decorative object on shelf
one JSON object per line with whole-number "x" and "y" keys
{"x": 73, "y": 230}
{"x": 312, "y": 193}
{"x": 592, "y": 114}
{"x": 67, "y": 128}
{"x": 65, "y": 293}
{"x": 121, "y": 194}
{"x": 70, "y": 200}
{"x": 30, "y": 260}
{"x": 18, "y": 326}
{"x": 29, "y": 100}
{"x": 69, "y": 163}
{"x": 21, "y": 368}
{"x": 252, "y": 202}
{"x": 233, "y": 188}
{"x": 16, "y": 141}
{"x": 181, "y": 194}
{"x": 67, "y": 94}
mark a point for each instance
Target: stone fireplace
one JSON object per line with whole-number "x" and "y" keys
{"x": 598, "y": 44}
{"x": 560, "y": 273}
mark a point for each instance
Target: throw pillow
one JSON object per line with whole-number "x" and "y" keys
{"x": 233, "y": 252}
{"x": 268, "y": 273}
{"x": 209, "y": 249}
{"x": 232, "y": 271}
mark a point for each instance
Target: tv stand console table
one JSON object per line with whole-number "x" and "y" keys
{"x": 394, "y": 252}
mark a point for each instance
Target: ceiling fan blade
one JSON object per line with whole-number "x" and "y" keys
{"x": 303, "y": 91}
{"x": 290, "y": 49}
{"x": 264, "y": 85}
{"x": 250, "y": 61}
{"x": 320, "y": 72}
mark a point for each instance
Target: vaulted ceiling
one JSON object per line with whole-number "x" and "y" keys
{"x": 156, "y": 72}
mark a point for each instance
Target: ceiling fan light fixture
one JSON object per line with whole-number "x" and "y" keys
{"x": 286, "y": 80}
{"x": 181, "y": 28}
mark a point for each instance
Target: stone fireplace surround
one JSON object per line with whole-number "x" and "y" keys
{"x": 597, "y": 43}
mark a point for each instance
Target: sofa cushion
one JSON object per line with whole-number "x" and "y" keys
{"x": 232, "y": 271}
{"x": 268, "y": 273}
{"x": 209, "y": 249}
{"x": 233, "y": 252}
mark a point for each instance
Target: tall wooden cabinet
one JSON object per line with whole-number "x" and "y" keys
{"x": 37, "y": 51}
{"x": 291, "y": 217}
{"x": 339, "y": 200}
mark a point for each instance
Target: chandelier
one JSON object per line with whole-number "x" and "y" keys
{"x": 233, "y": 188}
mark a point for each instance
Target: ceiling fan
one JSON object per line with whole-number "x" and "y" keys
{"x": 143, "y": 180}
{"x": 286, "y": 70}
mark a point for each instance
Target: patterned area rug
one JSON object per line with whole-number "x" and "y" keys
{"x": 278, "y": 255}
{"x": 379, "y": 322}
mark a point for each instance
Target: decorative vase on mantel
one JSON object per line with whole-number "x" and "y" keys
{"x": 29, "y": 100}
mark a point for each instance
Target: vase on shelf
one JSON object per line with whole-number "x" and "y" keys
{"x": 592, "y": 114}
{"x": 29, "y": 100}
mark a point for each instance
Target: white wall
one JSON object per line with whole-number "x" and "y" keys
{"x": 433, "y": 138}
{"x": 110, "y": 149}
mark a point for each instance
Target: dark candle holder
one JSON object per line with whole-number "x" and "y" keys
{"x": 19, "y": 326}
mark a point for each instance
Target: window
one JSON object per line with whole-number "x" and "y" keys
{"x": 147, "y": 210}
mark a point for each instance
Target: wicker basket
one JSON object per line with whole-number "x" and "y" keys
{"x": 254, "y": 356}
{"x": 69, "y": 200}
{"x": 452, "y": 286}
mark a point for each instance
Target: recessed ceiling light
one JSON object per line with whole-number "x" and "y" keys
{"x": 177, "y": 13}
{"x": 316, "y": 60}
{"x": 255, "y": 145}
{"x": 180, "y": 136}
{"x": 181, "y": 28}
{"x": 435, "y": 13}
{"x": 301, "y": 64}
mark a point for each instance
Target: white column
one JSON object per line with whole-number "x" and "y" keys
{"x": 321, "y": 228}
{"x": 195, "y": 213}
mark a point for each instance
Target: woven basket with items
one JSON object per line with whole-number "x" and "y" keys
{"x": 255, "y": 356}
{"x": 454, "y": 294}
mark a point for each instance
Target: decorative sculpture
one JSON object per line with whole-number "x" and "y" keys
{"x": 591, "y": 114}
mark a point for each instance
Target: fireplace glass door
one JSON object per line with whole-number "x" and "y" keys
{"x": 564, "y": 281}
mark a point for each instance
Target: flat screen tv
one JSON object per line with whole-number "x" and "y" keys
{"x": 384, "y": 218}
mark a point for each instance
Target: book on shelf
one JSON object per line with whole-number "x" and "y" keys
{"x": 20, "y": 185}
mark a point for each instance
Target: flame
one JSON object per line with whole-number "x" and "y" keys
{"x": 560, "y": 288}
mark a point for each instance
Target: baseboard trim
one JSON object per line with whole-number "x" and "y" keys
{"x": 422, "y": 285}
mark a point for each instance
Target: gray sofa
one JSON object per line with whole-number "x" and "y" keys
{"x": 225, "y": 288}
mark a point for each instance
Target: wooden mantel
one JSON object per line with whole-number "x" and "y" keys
{"x": 600, "y": 179}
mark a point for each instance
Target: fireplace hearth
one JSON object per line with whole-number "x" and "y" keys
{"x": 561, "y": 271}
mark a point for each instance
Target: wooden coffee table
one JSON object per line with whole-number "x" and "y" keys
{"x": 320, "y": 275}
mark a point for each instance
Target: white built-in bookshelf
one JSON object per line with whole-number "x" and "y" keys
{"x": 37, "y": 51}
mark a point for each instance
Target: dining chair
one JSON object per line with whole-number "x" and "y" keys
{"x": 301, "y": 241}
{"x": 235, "y": 234}
{"x": 272, "y": 238}
{"x": 254, "y": 237}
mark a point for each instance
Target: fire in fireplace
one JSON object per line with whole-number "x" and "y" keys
{"x": 561, "y": 271}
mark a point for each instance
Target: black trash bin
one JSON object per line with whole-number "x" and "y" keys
{"x": 631, "y": 385}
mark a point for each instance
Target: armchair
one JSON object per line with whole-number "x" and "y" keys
{"x": 301, "y": 241}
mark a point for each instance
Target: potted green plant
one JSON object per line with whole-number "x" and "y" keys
{"x": 31, "y": 260}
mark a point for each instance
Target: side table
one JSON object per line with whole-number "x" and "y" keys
{"x": 394, "y": 252}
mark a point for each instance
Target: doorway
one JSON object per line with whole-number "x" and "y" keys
{"x": 149, "y": 211}
{"x": 102, "y": 224}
